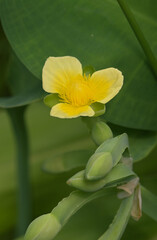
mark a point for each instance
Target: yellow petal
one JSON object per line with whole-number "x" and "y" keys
{"x": 106, "y": 84}
{"x": 58, "y": 71}
{"x": 64, "y": 110}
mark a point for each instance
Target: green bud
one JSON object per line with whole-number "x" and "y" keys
{"x": 88, "y": 70}
{"x": 51, "y": 99}
{"x": 98, "y": 108}
{"x": 118, "y": 175}
{"x": 116, "y": 146}
{"x": 98, "y": 165}
{"x": 44, "y": 227}
{"x": 101, "y": 132}
{"x": 78, "y": 181}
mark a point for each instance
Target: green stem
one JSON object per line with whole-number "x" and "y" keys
{"x": 90, "y": 121}
{"x": 49, "y": 225}
{"x": 24, "y": 202}
{"x": 116, "y": 229}
{"x": 139, "y": 35}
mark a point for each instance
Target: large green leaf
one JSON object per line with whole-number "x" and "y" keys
{"x": 17, "y": 85}
{"x": 98, "y": 34}
{"x": 23, "y": 87}
{"x": 4, "y": 59}
{"x": 149, "y": 203}
{"x": 141, "y": 142}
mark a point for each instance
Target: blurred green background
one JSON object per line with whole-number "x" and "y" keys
{"x": 97, "y": 33}
{"x": 49, "y": 136}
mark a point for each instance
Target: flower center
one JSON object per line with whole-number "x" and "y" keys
{"x": 78, "y": 92}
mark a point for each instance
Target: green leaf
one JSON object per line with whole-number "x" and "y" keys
{"x": 149, "y": 203}
{"x": 20, "y": 100}
{"x": 17, "y": 85}
{"x": 116, "y": 229}
{"x": 67, "y": 161}
{"x": 20, "y": 238}
{"x": 58, "y": 28}
{"x": 141, "y": 143}
{"x": 4, "y": 60}
{"x": 23, "y": 87}
{"x": 118, "y": 175}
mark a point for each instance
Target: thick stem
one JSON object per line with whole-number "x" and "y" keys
{"x": 139, "y": 35}
{"x": 22, "y": 149}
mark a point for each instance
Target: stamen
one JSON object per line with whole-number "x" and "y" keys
{"x": 78, "y": 92}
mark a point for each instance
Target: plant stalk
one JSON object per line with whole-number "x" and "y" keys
{"x": 139, "y": 35}
{"x": 22, "y": 152}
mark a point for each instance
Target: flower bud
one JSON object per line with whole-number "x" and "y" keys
{"x": 88, "y": 70}
{"x": 51, "y": 99}
{"x": 116, "y": 146}
{"x": 98, "y": 165}
{"x": 118, "y": 175}
{"x": 44, "y": 227}
{"x": 98, "y": 108}
{"x": 101, "y": 132}
{"x": 78, "y": 181}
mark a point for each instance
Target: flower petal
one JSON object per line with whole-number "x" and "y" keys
{"x": 106, "y": 84}
{"x": 57, "y": 71}
{"x": 64, "y": 110}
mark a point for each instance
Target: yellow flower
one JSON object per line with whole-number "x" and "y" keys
{"x": 74, "y": 93}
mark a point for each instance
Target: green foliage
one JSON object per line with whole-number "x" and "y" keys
{"x": 149, "y": 203}
{"x": 107, "y": 155}
{"x": 59, "y": 216}
{"x": 141, "y": 142}
{"x": 45, "y": 30}
{"x": 67, "y": 135}
{"x": 17, "y": 85}
{"x": 118, "y": 175}
{"x": 120, "y": 221}
{"x": 67, "y": 161}
{"x": 4, "y": 59}
{"x": 58, "y": 28}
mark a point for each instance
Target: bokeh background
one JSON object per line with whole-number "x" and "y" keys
{"x": 98, "y": 34}
{"x": 48, "y": 137}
